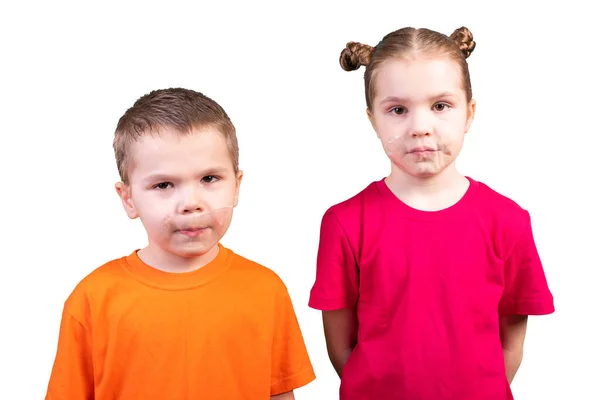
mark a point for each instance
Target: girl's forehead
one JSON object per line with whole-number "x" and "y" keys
{"x": 436, "y": 67}
{"x": 418, "y": 76}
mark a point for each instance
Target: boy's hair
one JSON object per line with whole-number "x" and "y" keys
{"x": 408, "y": 42}
{"x": 180, "y": 109}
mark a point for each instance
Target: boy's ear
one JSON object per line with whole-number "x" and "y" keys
{"x": 124, "y": 192}
{"x": 238, "y": 181}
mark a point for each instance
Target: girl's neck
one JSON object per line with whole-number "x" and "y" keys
{"x": 431, "y": 193}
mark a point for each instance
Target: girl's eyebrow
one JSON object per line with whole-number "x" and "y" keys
{"x": 396, "y": 99}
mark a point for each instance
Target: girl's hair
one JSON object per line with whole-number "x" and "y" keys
{"x": 408, "y": 42}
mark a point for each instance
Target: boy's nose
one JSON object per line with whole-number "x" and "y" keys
{"x": 191, "y": 207}
{"x": 191, "y": 202}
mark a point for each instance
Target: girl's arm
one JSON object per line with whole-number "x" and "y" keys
{"x": 340, "y": 328}
{"x": 512, "y": 335}
{"x": 526, "y": 292}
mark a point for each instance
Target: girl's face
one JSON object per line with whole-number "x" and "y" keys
{"x": 420, "y": 113}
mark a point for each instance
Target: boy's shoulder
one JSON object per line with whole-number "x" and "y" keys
{"x": 114, "y": 278}
{"x": 95, "y": 285}
{"x": 108, "y": 272}
{"x": 114, "y": 273}
{"x": 254, "y": 272}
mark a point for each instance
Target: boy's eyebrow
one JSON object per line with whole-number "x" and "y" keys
{"x": 214, "y": 171}
{"x": 166, "y": 177}
{"x": 396, "y": 99}
{"x": 156, "y": 178}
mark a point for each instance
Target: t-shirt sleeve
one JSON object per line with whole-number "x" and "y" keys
{"x": 290, "y": 366}
{"x": 336, "y": 283}
{"x": 526, "y": 289}
{"x": 72, "y": 373}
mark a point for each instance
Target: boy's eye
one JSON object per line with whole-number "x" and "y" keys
{"x": 398, "y": 110}
{"x": 210, "y": 179}
{"x": 162, "y": 185}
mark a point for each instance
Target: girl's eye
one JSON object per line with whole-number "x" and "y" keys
{"x": 398, "y": 110}
{"x": 210, "y": 179}
{"x": 162, "y": 185}
{"x": 441, "y": 106}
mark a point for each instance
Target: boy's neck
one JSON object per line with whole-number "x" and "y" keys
{"x": 428, "y": 194}
{"x": 156, "y": 257}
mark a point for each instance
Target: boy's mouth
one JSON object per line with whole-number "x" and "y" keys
{"x": 192, "y": 232}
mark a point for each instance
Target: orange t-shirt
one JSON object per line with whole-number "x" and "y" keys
{"x": 225, "y": 331}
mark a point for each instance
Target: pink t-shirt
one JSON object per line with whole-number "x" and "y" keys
{"x": 428, "y": 288}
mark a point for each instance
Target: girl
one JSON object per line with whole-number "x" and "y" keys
{"x": 425, "y": 278}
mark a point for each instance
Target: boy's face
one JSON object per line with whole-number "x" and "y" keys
{"x": 420, "y": 113}
{"x": 183, "y": 188}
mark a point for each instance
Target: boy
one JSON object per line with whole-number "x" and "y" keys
{"x": 184, "y": 317}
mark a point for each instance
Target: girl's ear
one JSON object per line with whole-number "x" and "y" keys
{"x": 372, "y": 121}
{"x": 470, "y": 114}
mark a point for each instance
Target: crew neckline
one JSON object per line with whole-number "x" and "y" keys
{"x": 178, "y": 281}
{"x": 414, "y": 213}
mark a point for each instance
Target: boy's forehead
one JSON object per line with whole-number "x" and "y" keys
{"x": 166, "y": 141}
{"x": 171, "y": 150}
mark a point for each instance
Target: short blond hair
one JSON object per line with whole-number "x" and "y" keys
{"x": 180, "y": 109}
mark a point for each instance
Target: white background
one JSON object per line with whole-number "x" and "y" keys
{"x": 68, "y": 70}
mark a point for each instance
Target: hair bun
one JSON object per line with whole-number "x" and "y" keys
{"x": 355, "y": 55}
{"x": 464, "y": 40}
